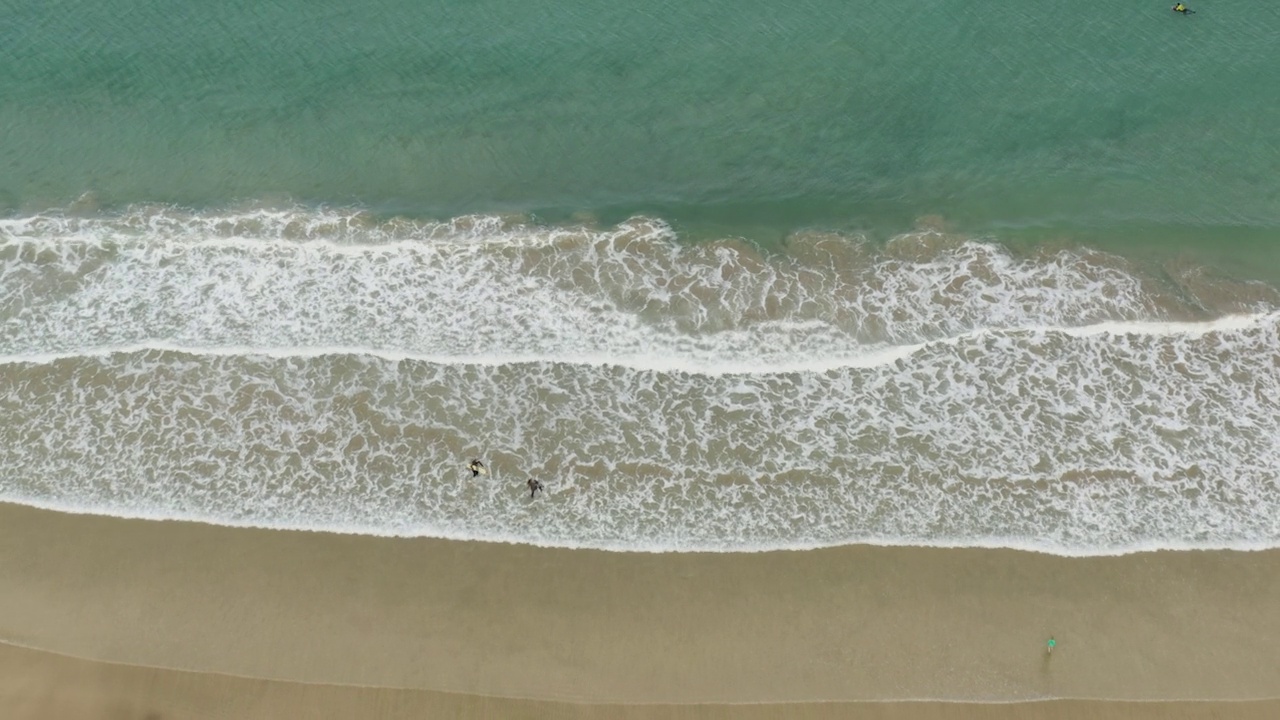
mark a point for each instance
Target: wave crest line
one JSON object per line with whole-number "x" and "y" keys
{"x": 874, "y": 356}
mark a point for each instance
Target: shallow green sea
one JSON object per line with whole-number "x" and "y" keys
{"x": 1031, "y": 118}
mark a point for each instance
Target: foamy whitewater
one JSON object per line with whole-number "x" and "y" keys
{"x": 327, "y": 370}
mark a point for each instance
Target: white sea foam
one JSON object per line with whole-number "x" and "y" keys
{"x": 871, "y": 356}
{"x": 322, "y": 370}
{"x": 1035, "y": 440}
{"x": 484, "y": 287}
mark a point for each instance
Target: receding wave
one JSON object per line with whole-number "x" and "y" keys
{"x": 326, "y": 370}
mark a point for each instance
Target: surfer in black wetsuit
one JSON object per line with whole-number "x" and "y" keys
{"x": 1180, "y": 8}
{"x": 476, "y": 467}
{"x": 534, "y": 487}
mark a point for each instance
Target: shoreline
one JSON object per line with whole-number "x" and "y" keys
{"x": 1001, "y": 544}
{"x": 841, "y": 624}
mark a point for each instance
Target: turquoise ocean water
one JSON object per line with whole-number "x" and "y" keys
{"x": 725, "y": 275}
{"x": 1087, "y": 115}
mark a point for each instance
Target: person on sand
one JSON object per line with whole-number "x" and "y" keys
{"x": 534, "y": 486}
{"x": 1050, "y": 645}
{"x": 476, "y": 467}
{"x": 1180, "y": 8}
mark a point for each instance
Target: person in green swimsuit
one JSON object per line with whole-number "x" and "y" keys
{"x": 1051, "y": 644}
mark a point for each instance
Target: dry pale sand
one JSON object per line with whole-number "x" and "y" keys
{"x": 854, "y": 623}
{"x": 36, "y": 685}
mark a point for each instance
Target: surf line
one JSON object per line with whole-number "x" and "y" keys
{"x": 873, "y": 355}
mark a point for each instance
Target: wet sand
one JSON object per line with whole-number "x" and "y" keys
{"x": 844, "y": 624}
{"x": 37, "y": 685}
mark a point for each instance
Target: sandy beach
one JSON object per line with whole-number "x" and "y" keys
{"x": 837, "y": 625}
{"x": 38, "y": 685}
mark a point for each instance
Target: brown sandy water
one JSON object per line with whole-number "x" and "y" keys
{"x": 322, "y": 368}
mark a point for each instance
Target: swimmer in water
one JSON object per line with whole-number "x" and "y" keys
{"x": 534, "y": 487}
{"x": 476, "y": 467}
{"x": 1180, "y": 8}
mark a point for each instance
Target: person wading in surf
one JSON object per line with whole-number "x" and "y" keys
{"x": 534, "y": 487}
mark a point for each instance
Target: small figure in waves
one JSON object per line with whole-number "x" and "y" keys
{"x": 476, "y": 467}
{"x": 534, "y": 487}
{"x": 1180, "y": 8}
